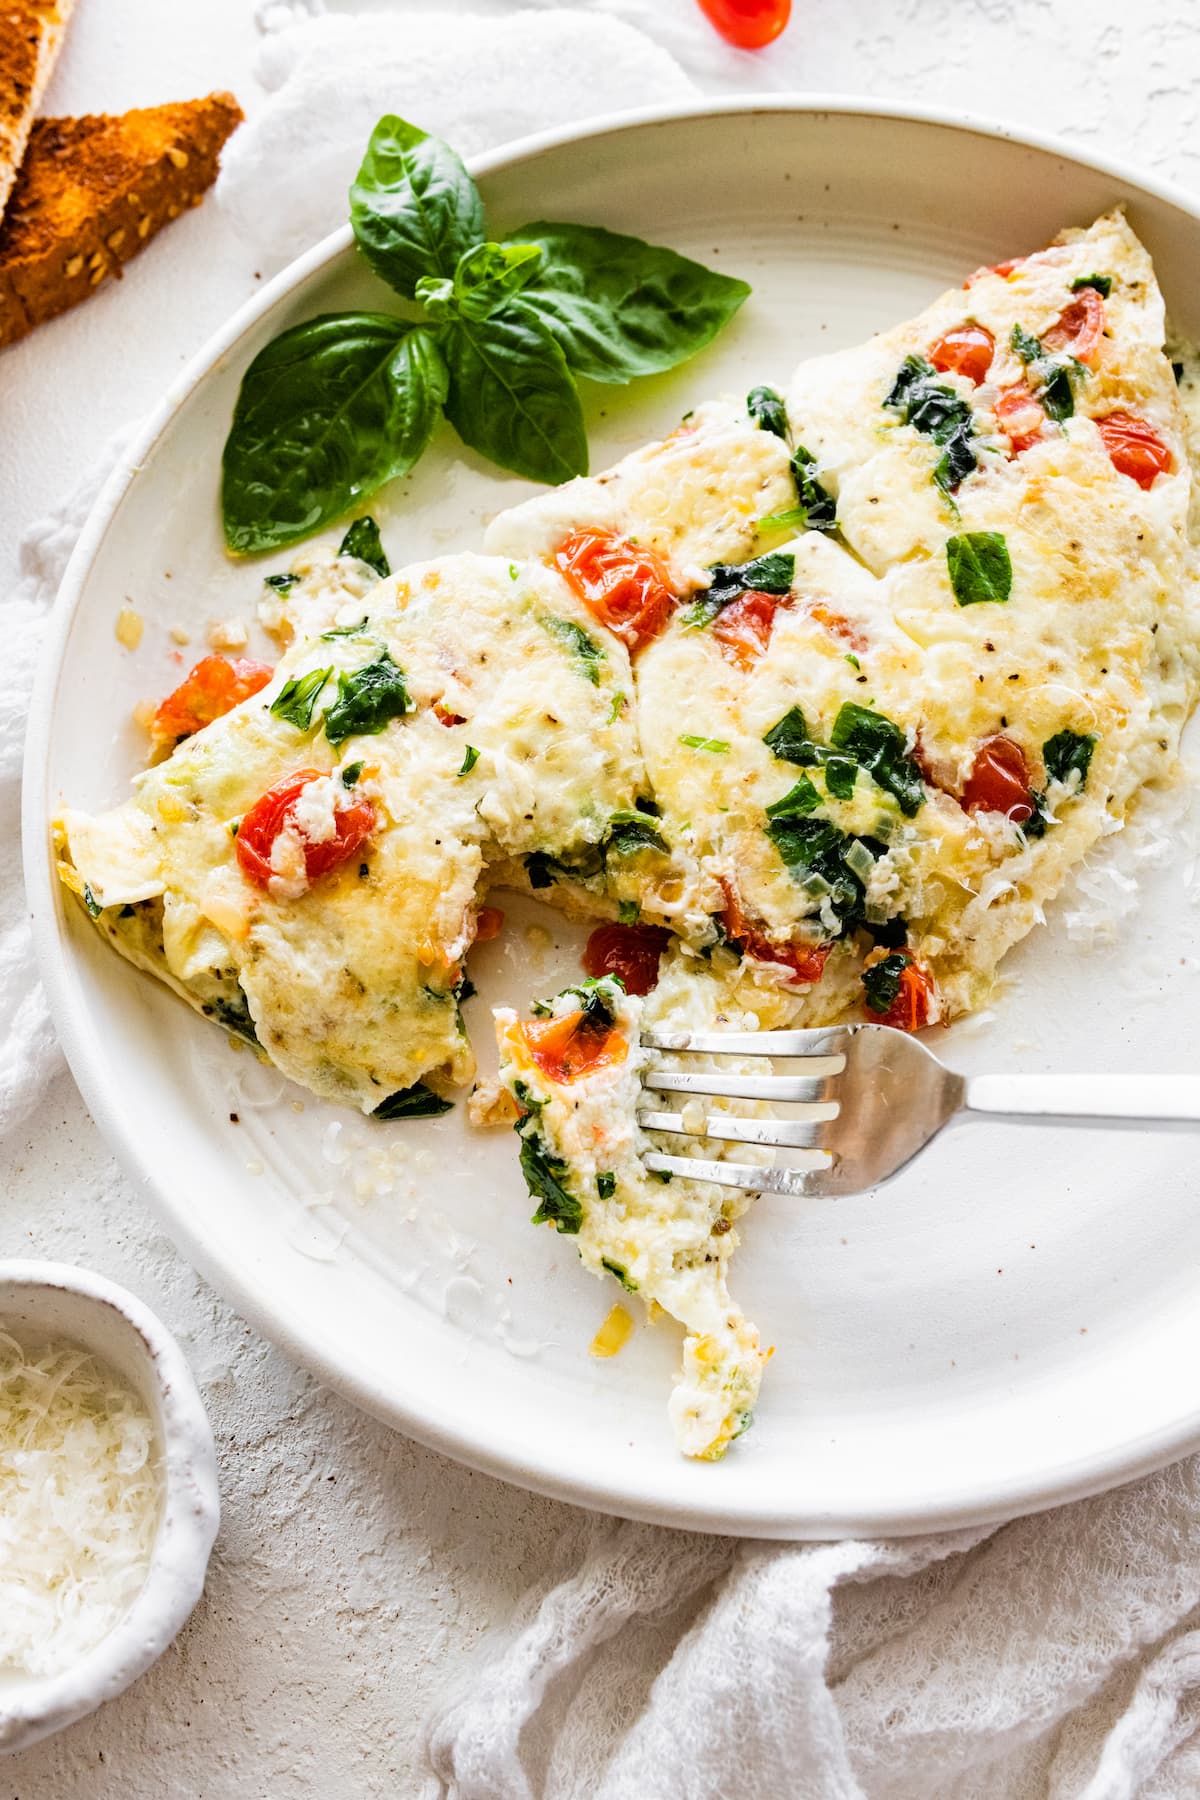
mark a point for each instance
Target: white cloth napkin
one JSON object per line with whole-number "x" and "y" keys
{"x": 1057, "y": 1657}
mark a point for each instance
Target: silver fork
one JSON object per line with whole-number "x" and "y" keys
{"x": 868, "y": 1099}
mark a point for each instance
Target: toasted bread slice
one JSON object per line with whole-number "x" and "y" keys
{"x": 92, "y": 192}
{"x": 31, "y": 35}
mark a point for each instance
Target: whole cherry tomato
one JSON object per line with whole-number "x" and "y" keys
{"x": 1134, "y": 448}
{"x": 965, "y": 350}
{"x": 748, "y": 24}
{"x": 999, "y": 781}
{"x": 630, "y": 951}
{"x": 573, "y": 1045}
{"x": 275, "y": 811}
{"x": 213, "y": 688}
{"x": 625, "y": 587}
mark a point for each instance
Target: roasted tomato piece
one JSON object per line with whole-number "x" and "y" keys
{"x": 838, "y": 624}
{"x": 1079, "y": 327}
{"x": 489, "y": 923}
{"x": 574, "y": 1045}
{"x": 276, "y": 811}
{"x": 625, "y": 587}
{"x": 1000, "y": 268}
{"x": 910, "y": 1005}
{"x": 966, "y": 350}
{"x": 999, "y": 781}
{"x": 743, "y": 628}
{"x": 629, "y": 951}
{"x": 1020, "y": 417}
{"x": 748, "y": 24}
{"x": 1135, "y": 448}
{"x": 210, "y": 690}
{"x": 806, "y": 961}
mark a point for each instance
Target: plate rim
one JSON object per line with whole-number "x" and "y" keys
{"x": 986, "y": 1505}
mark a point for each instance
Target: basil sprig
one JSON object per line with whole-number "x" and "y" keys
{"x": 860, "y": 739}
{"x": 339, "y": 405}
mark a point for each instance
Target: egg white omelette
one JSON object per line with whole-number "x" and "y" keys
{"x": 815, "y": 704}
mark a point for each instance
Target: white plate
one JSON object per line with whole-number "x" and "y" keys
{"x": 1017, "y": 1320}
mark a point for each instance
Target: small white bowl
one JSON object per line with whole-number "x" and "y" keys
{"x": 61, "y": 1302}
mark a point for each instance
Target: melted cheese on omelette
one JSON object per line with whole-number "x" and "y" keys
{"x": 850, "y": 772}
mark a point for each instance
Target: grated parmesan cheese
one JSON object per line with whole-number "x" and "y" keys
{"x": 79, "y": 1503}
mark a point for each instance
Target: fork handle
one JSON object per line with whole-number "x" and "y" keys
{"x": 1117, "y": 1100}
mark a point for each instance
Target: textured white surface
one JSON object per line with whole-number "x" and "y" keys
{"x": 354, "y": 1571}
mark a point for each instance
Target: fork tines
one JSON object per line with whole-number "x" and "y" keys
{"x": 810, "y": 1093}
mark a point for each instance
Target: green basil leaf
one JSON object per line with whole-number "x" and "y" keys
{"x": 939, "y": 412}
{"x": 814, "y": 853}
{"x": 771, "y": 574}
{"x": 511, "y": 396}
{"x": 351, "y": 774}
{"x": 1052, "y": 382}
{"x": 876, "y": 744}
{"x": 1027, "y": 347}
{"x": 789, "y": 740}
{"x": 544, "y": 1177}
{"x": 326, "y": 414}
{"x": 541, "y": 870}
{"x": 1069, "y": 751}
{"x": 583, "y": 648}
{"x": 283, "y": 584}
{"x": 470, "y": 758}
{"x": 92, "y": 905}
{"x": 620, "y": 308}
{"x": 629, "y": 832}
{"x": 1101, "y": 283}
{"x": 344, "y": 631}
{"x": 840, "y": 777}
{"x": 766, "y": 407}
{"x": 367, "y": 701}
{"x": 980, "y": 567}
{"x": 415, "y": 1102}
{"x": 413, "y": 207}
{"x": 490, "y": 274}
{"x": 801, "y": 799}
{"x": 606, "y": 1187}
{"x": 297, "y": 699}
{"x": 363, "y": 541}
{"x": 816, "y": 502}
{"x": 881, "y": 982}
{"x": 614, "y": 1268}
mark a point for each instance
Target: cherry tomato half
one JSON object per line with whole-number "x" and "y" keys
{"x": 1135, "y": 448}
{"x": 630, "y": 951}
{"x": 1020, "y": 417}
{"x": 210, "y": 690}
{"x": 999, "y": 781}
{"x": 966, "y": 350}
{"x": 806, "y": 961}
{"x": 748, "y": 24}
{"x": 275, "y": 810}
{"x": 743, "y": 628}
{"x": 625, "y": 587}
{"x": 1079, "y": 327}
{"x": 574, "y": 1045}
{"x": 913, "y": 1005}
{"x": 444, "y": 716}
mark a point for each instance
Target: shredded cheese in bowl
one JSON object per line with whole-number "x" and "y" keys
{"x": 80, "y": 1497}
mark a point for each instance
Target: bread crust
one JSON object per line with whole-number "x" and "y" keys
{"x": 91, "y": 194}
{"x": 31, "y": 36}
